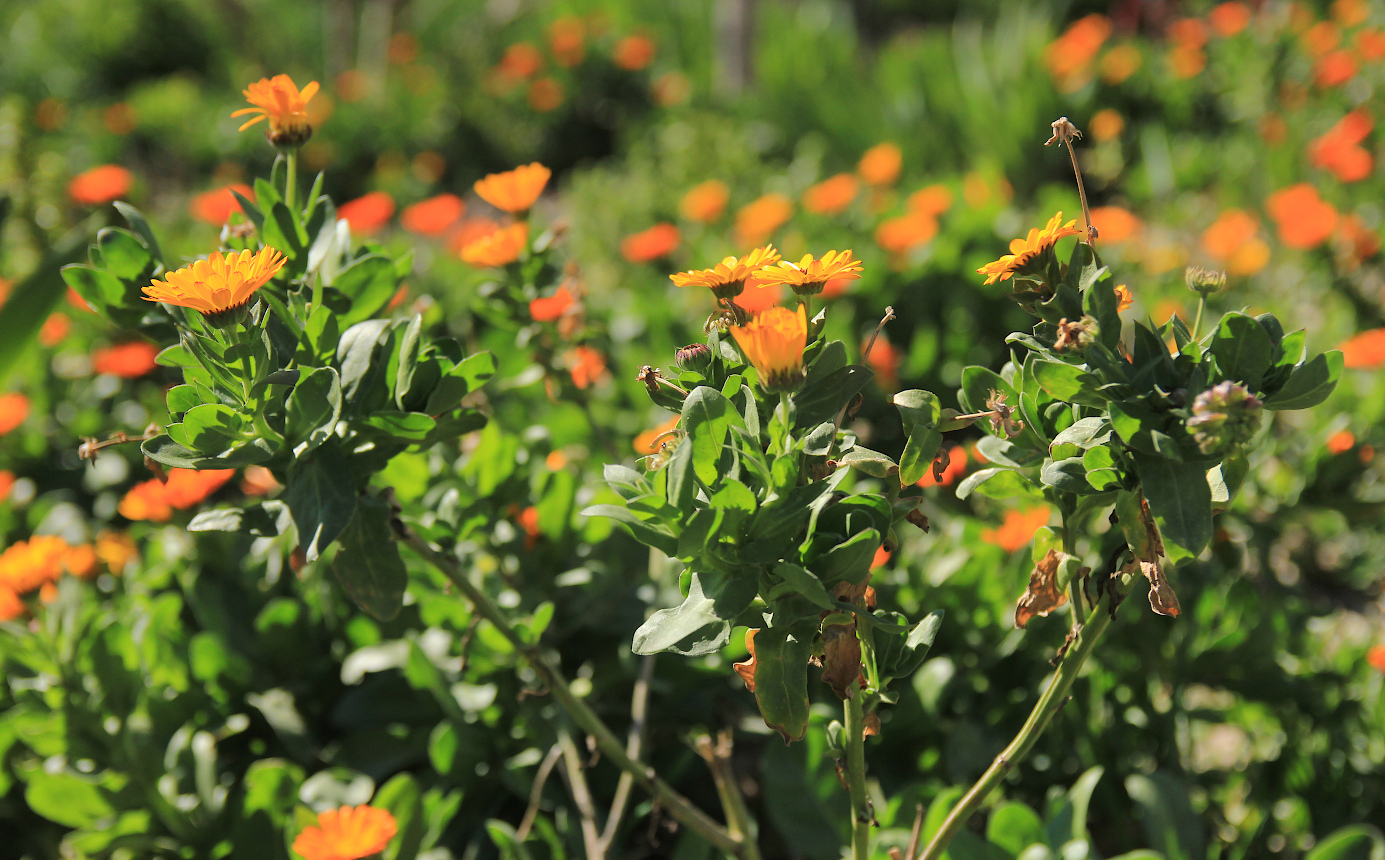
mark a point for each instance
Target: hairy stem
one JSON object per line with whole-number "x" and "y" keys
{"x": 676, "y": 805}
{"x": 856, "y": 775}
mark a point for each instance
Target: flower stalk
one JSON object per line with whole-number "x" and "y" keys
{"x": 861, "y": 815}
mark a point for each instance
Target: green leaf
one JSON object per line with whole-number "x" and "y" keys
{"x": 409, "y": 344}
{"x": 681, "y": 484}
{"x": 1181, "y": 502}
{"x": 164, "y": 450}
{"x": 1014, "y": 827}
{"x": 873, "y": 463}
{"x": 1068, "y": 476}
{"x": 707, "y": 416}
{"x": 321, "y": 496}
{"x": 1170, "y": 824}
{"x": 701, "y": 624}
{"x": 267, "y": 519}
{"x": 800, "y": 581}
{"x": 213, "y": 428}
{"x": 370, "y": 283}
{"x": 68, "y": 799}
{"x": 31, "y": 301}
{"x": 648, "y": 533}
{"x": 821, "y": 399}
{"x": 1309, "y": 384}
{"x": 920, "y": 411}
{"x": 368, "y": 566}
{"x": 409, "y": 426}
{"x": 467, "y": 376}
{"x": 848, "y": 560}
{"x": 314, "y": 408}
{"x": 404, "y": 800}
{"x": 363, "y": 358}
{"x": 1067, "y": 382}
{"x": 781, "y": 677}
{"x": 917, "y": 644}
{"x": 181, "y": 398}
{"x": 977, "y": 385}
{"x": 1242, "y": 349}
{"x": 140, "y": 225}
{"x": 998, "y": 483}
{"x": 122, "y": 254}
{"x": 1353, "y": 842}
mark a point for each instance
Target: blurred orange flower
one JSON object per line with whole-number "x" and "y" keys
{"x": 100, "y": 185}
{"x": 154, "y": 500}
{"x": 347, "y": 833}
{"x": 434, "y": 216}
{"x": 759, "y": 296}
{"x": 1370, "y": 44}
{"x": 11, "y": 607}
{"x": 1070, "y": 55}
{"x": 880, "y": 559}
{"x": 956, "y": 467}
{"x": 1231, "y": 240}
{"x": 129, "y": 360}
{"x": 499, "y": 248}
{"x": 647, "y": 442}
{"x": 1228, "y": 19}
{"x": 1321, "y": 38}
{"x": 901, "y": 234}
{"x": 545, "y": 94}
{"x": 633, "y": 52}
{"x": 520, "y": 61}
{"x": 1356, "y": 242}
{"x": 1364, "y": 351}
{"x": 881, "y": 164}
{"x": 931, "y": 200}
{"x": 258, "y": 481}
{"x": 550, "y": 308}
{"x": 30, "y": 564}
{"x": 1018, "y": 528}
{"x": 80, "y": 561}
{"x": 758, "y": 219}
{"x": 1375, "y": 657}
{"x": 469, "y": 231}
{"x": 6, "y": 483}
{"x": 586, "y": 366}
{"x": 514, "y": 191}
{"x": 1124, "y": 297}
{"x": 567, "y": 39}
{"x": 1334, "y": 68}
{"x": 648, "y": 245}
{"x": 1340, "y": 442}
{"x": 884, "y": 360}
{"x": 1349, "y": 13}
{"x": 215, "y": 207}
{"x": 1120, "y": 63}
{"x": 1305, "y": 220}
{"x": 670, "y": 88}
{"x": 705, "y": 202}
{"x": 831, "y": 196}
{"x": 367, "y": 213}
{"x": 14, "y": 408}
{"x": 1114, "y": 224}
{"x": 1339, "y": 150}
{"x": 54, "y": 329}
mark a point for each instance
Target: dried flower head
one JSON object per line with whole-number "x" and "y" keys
{"x": 1224, "y": 417}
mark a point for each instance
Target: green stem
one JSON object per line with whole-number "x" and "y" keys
{"x": 1197, "y": 321}
{"x": 856, "y": 775}
{"x": 1048, "y": 706}
{"x": 675, "y": 804}
{"x": 1075, "y": 595}
{"x": 738, "y": 818}
{"x": 291, "y": 178}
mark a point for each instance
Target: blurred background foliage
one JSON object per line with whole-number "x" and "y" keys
{"x": 181, "y": 694}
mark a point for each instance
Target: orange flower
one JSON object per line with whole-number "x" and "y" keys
{"x": 1349, "y": 13}
{"x": 633, "y": 53}
{"x": 129, "y": 360}
{"x": 1375, "y": 657}
{"x": 773, "y": 343}
{"x": 1305, "y": 219}
{"x": 1023, "y": 251}
{"x": 1120, "y": 63}
{"x": 215, "y": 207}
{"x": 146, "y": 501}
{"x": 6, "y": 483}
{"x": 219, "y": 283}
{"x": 1232, "y": 229}
{"x": 80, "y": 561}
{"x": 670, "y": 88}
{"x": 516, "y": 190}
{"x": 31, "y": 564}
{"x": 1334, "y": 68}
{"x": 1124, "y": 298}
{"x": 545, "y": 94}
{"x": 930, "y": 201}
{"x": 469, "y": 231}
{"x": 499, "y": 248}
{"x": 1370, "y": 44}
{"x": 956, "y": 466}
{"x": 705, "y": 202}
{"x": 727, "y": 278}
{"x": 100, "y": 185}
{"x": 1341, "y": 442}
{"x": 434, "y": 216}
{"x": 550, "y": 308}
{"x": 258, "y": 481}
{"x": 881, "y": 164}
{"x": 1114, "y": 224}
{"x": 648, "y": 245}
{"x": 279, "y": 100}
{"x": 759, "y": 296}
{"x": 1070, "y": 55}
{"x": 14, "y": 408}
{"x": 1339, "y": 148}
{"x": 188, "y": 487}
{"x": 831, "y": 196}
{"x": 808, "y": 276}
{"x": 11, "y": 607}
{"x": 880, "y": 559}
{"x": 1364, "y": 351}
{"x": 520, "y": 61}
{"x": 836, "y": 287}
{"x": 884, "y": 360}
{"x": 900, "y": 235}
{"x": 759, "y": 219}
{"x": 649, "y": 441}
{"x": 1018, "y": 528}
{"x": 566, "y": 39}
{"x": 529, "y": 521}
{"x": 1228, "y": 19}
{"x": 1321, "y": 38}
{"x": 367, "y": 213}
{"x": 1106, "y": 124}
{"x": 586, "y": 365}
{"x": 348, "y": 833}
{"x": 116, "y": 550}
{"x": 1187, "y": 62}
{"x": 54, "y": 329}
{"x": 1355, "y": 241}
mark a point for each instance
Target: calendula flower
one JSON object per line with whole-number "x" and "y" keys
{"x": 499, "y": 248}
{"x": 550, "y": 308}
{"x": 1025, "y": 251}
{"x": 807, "y": 276}
{"x": 759, "y": 218}
{"x": 1364, "y": 351}
{"x": 773, "y": 342}
{"x": 279, "y": 100}
{"x": 515, "y": 190}
{"x": 30, "y": 564}
{"x": 129, "y": 360}
{"x": 831, "y": 196}
{"x": 219, "y": 285}
{"x": 727, "y": 278}
{"x": 116, "y": 550}
{"x": 1124, "y": 298}
{"x": 649, "y": 245}
{"x": 705, "y": 202}
{"x": 1018, "y": 529}
{"x": 215, "y": 207}
{"x": 1114, "y": 224}
{"x": 14, "y": 408}
{"x": 881, "y": 164}
{"x": 347, "y": 833}
{"x": 434, "y": 216}
{"x": 1305, "y": 219}
{"x": 586, "y": 365}
{"x": 633, "y": 52}
{"x": 367, "y": 213}
{"x": 100, "y": 185}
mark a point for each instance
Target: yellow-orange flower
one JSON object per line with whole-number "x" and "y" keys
{"x": 633, "y": 52}
{"x": 773, "y": 343}
{"x": 11, "y": 607}
{"x": 348, "y": 833}
{"x": 931, "y": 200}
{"x": 831, "y": 196}
{"x": 1364, "y": 351}
{"x": 146, "y": 502}
{"x": 14, "y": 408}
{"x": 515, "y": 190}
{"x": 1124, "y": 298}
{"x": 649, "y": 441}
{"x": 648, "y": 245}
{"x": 808, "y": 275}
{"x": 759, "y": 218}
{"x": 1018, "y": 528}
{"x": 129, "y": 360}
{"x": 727, "y": 278}
{"x": 220, "y": 283}
{"x": 499, "y": 248}
{"x": 759, "y": 295}
{"x": 1115, "y": 224}
{"x": 100, "y": 185}
{"x": 881, "y": 164}
{"x": 434, "y": 216}
{"x": 30, "y": 564}
{"x": 586, "y": 366}
{"x": 279, "y": 100}
{"x": 116, "y": 550}
{"x": 705, "y": 202}
{"x": 1228, "y": 19}
{"x": 1106, "y": 124}
{"x": 1023, "y": 251}
{"x": 899, "y": 235}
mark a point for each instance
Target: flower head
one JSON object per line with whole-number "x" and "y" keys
{"x": 808, "y": 276}
{"x": 100, "y": 185}
{"x": 1223, "y": 417}
{"x": 759, "y": 218}
{"x": 1018, "y": 529}
{"x": 348, "y": 833}
{"x": 550, "y": 308}
{"x": 773, "y": 342}
{"x": 1025, "y": 251}
{"x": 1305, "y": 220}
{"x": 831, "y": 196}
{"x": 516, "y": 190}
{"x": 129, "y": 360}
{"x": 634, "y": 52}
{"x": 901, "y": 234}
{"x": 367, "y": 213}
{"x": 215, "y": 207}
{"x": 648, "y": 245}
{"x": 586, "y": 365}
{"x": 499, "y": 248}
{"x": 727, "y": 278}
{"x": 279, "y": 100}
{"x": 1364, "y": 351}
{"x": 14, "y": 408}
{"x": 434, "y": 216}
{"x": 881, "y": 164}
{"x": 219, "y": 284}
{"x": 705, "y": 202}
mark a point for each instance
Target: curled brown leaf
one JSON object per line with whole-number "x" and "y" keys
{"x": 1042, "y": 596}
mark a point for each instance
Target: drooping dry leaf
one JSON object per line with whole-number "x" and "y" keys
{"x": 1161, "y": 596}
{"x": 872, "y": 726}
{"x": 746, "y": 668}
{"x": 1042, "y": 596}
{"x": 852, "y": 593}
{"x": 841, "y": 658}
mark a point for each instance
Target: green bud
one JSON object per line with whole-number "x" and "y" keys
{"x": 696, "y": 357}
{"x": 1224, "y": 417}
{"x": 1205, "y": 281}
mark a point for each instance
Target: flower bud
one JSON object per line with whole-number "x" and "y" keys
{"x": 1224, "y": 417}
{"x": 1205, "y": 281}
{"x": 695, "y": 357}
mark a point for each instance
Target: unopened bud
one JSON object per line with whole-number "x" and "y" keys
{"x": 695, "y": 356}
{"x": 1205, "y": 281}
{"x": 1224, "y": 417}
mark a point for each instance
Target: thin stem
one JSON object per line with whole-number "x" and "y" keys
{"x": 738, "y": 818}
{"x": 291, "y": 178}
{"x": 1052, "y": 700}
{"x": 1197, "y": 321}
{"x": 677, "y": 806}
{"x": 634, "y": 743}
{"x": 536, "y": 793}
{"x": 1081, "y": 193}
{"x": 581, "y": 794}
{"x": 856, "y": 775}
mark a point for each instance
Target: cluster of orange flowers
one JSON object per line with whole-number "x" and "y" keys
{"x": 155, "y": 500}
{"x": 38, "y": 563}
{"x": 523, "y": 63}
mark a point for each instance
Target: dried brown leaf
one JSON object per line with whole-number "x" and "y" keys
{"x": 1161, "y": 595}
{"x": 841, "y": 658}
{"x": 746, "y": 668}
{"x": 1042, "y": 596}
